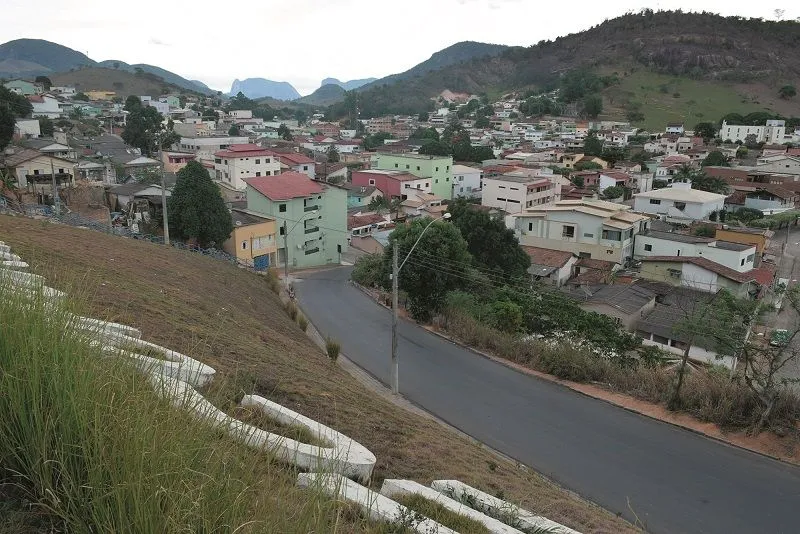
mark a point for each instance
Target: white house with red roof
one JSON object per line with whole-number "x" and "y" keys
{"x": 45, "y": 106}
{"x": 238, "y": 162}
{"x": 311, "y": 217}
{"x": 292, "y": 161}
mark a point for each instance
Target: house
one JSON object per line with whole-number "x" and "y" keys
{"x": 772, "y": 132}
{"x": 698, "y": 273}
{"x": 331, "y": 172}
{"x": 391, "y": 184}
{"x": 782, "y": 164}
{"x": 613, "y": 179}
{"x": 591, "y": 271}
{"x": 161, "y": 107}
{"x": 44, "y": 106}
{"x": 553, "y": 266}
{"x": 675, "y": 128}
{"x": 239, "y": 162}
{"x": 311, "y": 217}
{"x": 175, "y": 161}
{"x": 436, "y": 169}
{"x": 588, "y": 228}
{"x": 679, "y": 201}
{"x": 296, "y": 162}
{"x": 361, "y": 225}
{"x": 104, "y": 95}
{"x": 171, "y": 100}
{"x": 767, "y": 198}
{"x": 27, "y": 128}
{"x": 34, "y": 170}
{"x": 360, "y": 195}
{"x": 569, "y": 161}
{"x": 758, "y": 237}
{"x": 23, "y": 87}
{"x": 142, "y": 167}
{"x": 627, "y": 303}
{"x": 467, "y": 181}
{"x": 119, "y": 197}
{"x": 372, "y": 243}
{"x": 516, "y": 191}
{"x": 734, "y": 256}
{"x": 253, "y": 241}
{"x": 205, "y": 146}
{"x": 91, "y": 171}
{"x": 421, "y": 204}
{"x": 661, "y": 327}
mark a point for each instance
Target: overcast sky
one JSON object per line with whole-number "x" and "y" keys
{"x": 304, "y": 41}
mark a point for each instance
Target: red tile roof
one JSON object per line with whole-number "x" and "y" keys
{"x": 285, "y": 186}
{"x": 243, "y": 151}
{"x": 36, "y": 98}
{"x": 358, "y": 221}
{"x": 600, "y": 265}
{"x": 547, "y": 257}
{"x": 293, "y": 158}
{"x": 708, "y": 265}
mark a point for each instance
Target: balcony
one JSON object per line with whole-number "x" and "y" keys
{"x": 312, "y": 251}
{"x": 312, "y": 229}
{"x": 310, "y": 208}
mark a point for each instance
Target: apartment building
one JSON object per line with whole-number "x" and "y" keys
{"x": 679, "y": 201}
{"x": 238, "y": 162}
{"x": 735, "y": 256}
{"x": 772, "y": 132}
{"x": 514, "y": 192}
{"x": 436, "y": 168}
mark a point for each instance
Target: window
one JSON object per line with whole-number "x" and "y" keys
{"x": 417, "y": 167}
{"x": 305, "y": 167}
{"x": 530, "y": 227}
{"x": 587, "y": 234}
{"x": 258, "y": 162}
{"x": 742, "y": 263}
{"x": 372, "y": 181}
{"x": 515, "y": 188}
{"x": 655, "y": 201}
{"x": 447, "y": 168}
{"x": 612, "y": 235}
{"x": 437, "y": 180}
{"x": 501, "y": 187}
{"x": 282, "y": 208}
{"x": 427, "y": 184}
{"x": 408, "y": 186}
{"x": 60, "y": 171}
{"x": 568, "y": 231}
{"x": 460, "y": 178}
{"x": 244, "y": 245}
{"x": 750, "y": 258}
{"x": 648, "y": 248}
{"x": 395, "y": 165}
{"x": 437, "y": 169}
{"x": 282, "y": 230}
{"x": 585, "y": 255}
{"x": 258, "y": 173}
{"x": 35, "y": 172}
{"x": 680, "y": 205}
{"x": 408, "y": 167}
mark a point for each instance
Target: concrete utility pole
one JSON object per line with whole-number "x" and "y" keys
{"x": 163, "y": 194}
{"x": 286, "y": 256}
{"x": 395, "y": 368}
{"x": 56, "y": 199}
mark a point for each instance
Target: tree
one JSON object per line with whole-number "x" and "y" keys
{"x": 423, "y": 117}
{"x": 610, "y": 193}
{"x": 197, "y": 211}
{"x": 7, "y": 123}
{"x": 435, "y": 148}
{"x": 704, "y": 230}
{"x": 491, "y": 244}
{"x": 715, "y": 158}
{"x": 44, "y": 81}
{"x": 46, "y": 127}
{"x": 423, "y": 278}
{"x": 377, "y": 139}
{"x": 83, "y": 97}
{"x": 741, "y": 152}
{"x": 16, "y": 103}
{"x": 577, "y": 181}
{"x": 285, "y": 133}
{"x": 132, "y": 103}
{"x": 587, "y": 166}
{"x": 233, "y": 130}
{"x": 592, "y": 146}
{"x": 482, "y": 122}
{"x": 144, "y": 127}
{"x": 333, "y": 154}
{"x": 706, "y": 130}
{"x": 592, "y": 106}
{"x": 787, "y": 91}
{"x": 8, "y": 183}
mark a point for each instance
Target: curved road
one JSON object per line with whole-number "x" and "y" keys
{"x": 675, "y": 481}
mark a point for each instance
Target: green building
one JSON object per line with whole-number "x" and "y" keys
{"x": 313, "y": 213}
{"x": 438, "y": 168}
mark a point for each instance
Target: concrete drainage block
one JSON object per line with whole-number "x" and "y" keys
{"x": 394, "y": 487}
{"x": 16, "y": 265}
{"x": 522, "y": 519}
{"x": 344, "y": 455}
{"x": 104, "y": 329}
{"x": 378, "y": 507}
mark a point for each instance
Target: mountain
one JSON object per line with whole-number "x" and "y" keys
{"x": 26, "y": 58}
{"x": 260, "y": 88}
{"x": 347, "y": 86}
{"x": 32, "y": 57}
{"x": 704, "y": 47}
{"x": 167, "y": 76}
{"x": 121, "y": 81}
{"x": 324, "y": 96}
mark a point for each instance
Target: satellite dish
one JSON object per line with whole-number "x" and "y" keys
{"x": 238, "y": 223}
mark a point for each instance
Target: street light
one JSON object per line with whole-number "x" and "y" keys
{"x": 286, "y": 244}
{"x": 394, "y": 368}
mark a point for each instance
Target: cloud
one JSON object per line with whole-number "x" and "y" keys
{"x": 157, "y": 42}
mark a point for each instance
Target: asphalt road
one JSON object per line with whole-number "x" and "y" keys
{"x": 675, "y": 481}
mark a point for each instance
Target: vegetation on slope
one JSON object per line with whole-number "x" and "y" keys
{"x": 229, "y": 319}
{"x": 121, "y": 82}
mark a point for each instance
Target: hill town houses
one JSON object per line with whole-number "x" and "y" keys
{"x": 620, "y": 235}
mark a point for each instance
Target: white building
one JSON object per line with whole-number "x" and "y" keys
{"x": 206, "y": 146}
{"x": 588, "y": 228}
{"x": 735, "y": 256}
{"x": 467, "y": 181}
{"x": 238, "y": 162}
{"x": 679, "y": 201}
{"x": 779, "y": 164}
{"x": 773, "y": 132}
{"x": 65, "y": 90}
{"x": 27, "y": 128}
{"x": 45, "y": 106}
{"x": 161, "y": 107}
{"x": 517, "y": 191}
{"x": 240, "y": 114}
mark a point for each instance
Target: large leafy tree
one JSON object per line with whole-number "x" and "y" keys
{"x": 715, "y": 158}
{"x": 706, "y": 130}
{"x": 592, "y": 106}
{"x": 491, "y": 244}
{"x": 6, "y": 126}
{"x": 439, "y": 264}
{"x": 143, "y": 126}
{"x": 12, "y": 107}
{"x": 592, "y": 146}
{"x": 197, "y": 211}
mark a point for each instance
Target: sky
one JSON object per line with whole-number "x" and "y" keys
{"x": 304, "y": 41}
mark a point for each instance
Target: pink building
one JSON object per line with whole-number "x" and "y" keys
{"x": 175, "y": 161}
{"x": 391, "y": 184}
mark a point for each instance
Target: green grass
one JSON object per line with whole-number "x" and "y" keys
{"x": 87, "y": 446}
{"x": 255, "y": 417}
{"x": 143, "y": 350}
{"x": 697, "y": 100}
{"x": 440, "y": 514}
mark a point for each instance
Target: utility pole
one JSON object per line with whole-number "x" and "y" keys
{"x": 393, "y": 372}
{"x": 56, "y": 199}
{"x": 163, "y": 194}
{"x": 286, "y": 255}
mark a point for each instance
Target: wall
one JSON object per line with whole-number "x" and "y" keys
{"x": 246, "y": 235}
{"x": 693, "y": 210}
{"x": 746, "y": 239}
{"x": 233, "y": 170}
{"x": 695, "y": 352}
{"x": 467, "y": 184}
{"x": 629, "y": 320}
{"x": 434, "y": 167}
{"x": 786, "y": 166}
{"x": 664, "y": 247}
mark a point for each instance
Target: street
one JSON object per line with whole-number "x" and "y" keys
{"x": 673, "y": 480}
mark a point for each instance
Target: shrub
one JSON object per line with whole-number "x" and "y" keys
{"x": 332, "y": 347}
{"x": 273, "y": 283}
{"x": 291, "y": 310}
{"x": 369, "y": 270}
{"x": 302, "y": 322}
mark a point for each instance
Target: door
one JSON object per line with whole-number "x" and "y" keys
{"x": 261, "y": 263}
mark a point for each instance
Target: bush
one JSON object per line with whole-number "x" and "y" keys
{"x": 302, "y": 322}
{"x": 291, "y": 310}
{"x": 332, "y": 347}
{"x": 273, "y": 283}
{"x": 369, "y": 271}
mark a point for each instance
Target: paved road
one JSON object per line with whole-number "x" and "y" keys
{"x": 674, "y": 480}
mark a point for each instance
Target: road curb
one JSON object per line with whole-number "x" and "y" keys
{"x": 568, "y": 385}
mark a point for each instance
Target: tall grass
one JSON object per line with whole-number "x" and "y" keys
{"x": 86, "y": 440}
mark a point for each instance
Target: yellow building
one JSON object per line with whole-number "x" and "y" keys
{"x": 746, "y": 236}
{"x": 100, "y": 95}
{"x": 252, "y": 241}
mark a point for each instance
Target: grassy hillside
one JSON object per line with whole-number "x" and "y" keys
{"x": 122, "y": 82}
{"x": 227, "y": 317}
{"x": 31, "y": 57}
{"x": 167, "y": 76}
{"x": 697, "y": 46}
{"x": 324, "y": 96}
